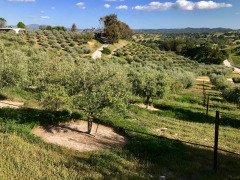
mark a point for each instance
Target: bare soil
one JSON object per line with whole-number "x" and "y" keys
{"x": 11, "y": 104}
{"x": 73, "y": 135}
{"x": 149, "y": 107}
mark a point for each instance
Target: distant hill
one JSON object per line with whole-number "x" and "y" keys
{"x": 36, "y": 27}
{"x": 185, "y": 30}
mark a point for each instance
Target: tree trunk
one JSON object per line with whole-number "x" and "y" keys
{"x": 148, "y": 98}
{"x": 90, "y": 121}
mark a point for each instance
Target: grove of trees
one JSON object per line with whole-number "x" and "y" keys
{"x": 115, "y": 29}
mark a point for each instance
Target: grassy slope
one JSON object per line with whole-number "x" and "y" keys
{"x": 235, "y": 60}
{"x": 111, "y": 47}
{"x": 93, "y": 45}
{"x": 25, "y": 156}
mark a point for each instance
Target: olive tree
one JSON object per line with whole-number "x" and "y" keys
{"x": 103, "y": 86}
{"x": 149, "y": 83}
{"x": 86, "y": 86}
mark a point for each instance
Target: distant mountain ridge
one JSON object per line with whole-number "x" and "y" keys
{"x": 185, "y": 30}
{"x": 32, "y": 26}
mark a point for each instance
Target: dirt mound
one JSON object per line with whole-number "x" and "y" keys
{"x": 73, "y": 135}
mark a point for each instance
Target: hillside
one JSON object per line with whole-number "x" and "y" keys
{"x": 57, "y": 81}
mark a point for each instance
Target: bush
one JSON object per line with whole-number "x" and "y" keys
{"x": 57, "y": 46}
{"x": 232, "y": 94}
{"x": 72, "y": 44}
{"x": 86, "y": 50}
{"x": 32, "y": 41}
{"x": 236, "y": 79}
{"x": 106, "y": 51}
{"x": 220, "y": 82}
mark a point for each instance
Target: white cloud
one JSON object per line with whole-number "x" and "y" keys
{"x": 107, "y": 6}
{"x": 81, "y": 5}
{"x": 45, "y": 17}
{"x": 181, "y": 5}
{"x": 53, "y": 7}
{"x": 21, "y": 0}
{"x": 122, "y": 7}
{"x": 237, "y": 13}
{"x": 41, "y": 12}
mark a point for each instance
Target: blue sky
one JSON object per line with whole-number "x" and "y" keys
{"x": 137, "y": 13}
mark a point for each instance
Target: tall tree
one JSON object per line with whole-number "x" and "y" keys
{"x": 42, "y": 27}
{"x": 49, "y": 27}
{"x": 3, "y": 22}
{"x": 115, "y": 29}
{"x": 74, "y": 28}
{"x": 21, "y": 25}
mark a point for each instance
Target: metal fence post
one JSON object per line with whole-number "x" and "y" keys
{"x": 207, "y": 107}
{"x": 216, "y": 141}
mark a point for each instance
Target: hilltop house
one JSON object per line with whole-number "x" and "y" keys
{"x": 7, "y": 29}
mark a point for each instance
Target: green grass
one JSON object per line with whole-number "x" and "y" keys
{"x": 25, "y": 156}
{"x": 235, "y": 60}
{"x": 111, "y": 47}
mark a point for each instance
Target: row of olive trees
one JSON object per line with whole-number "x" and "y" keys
{"x": 70, "y": 81}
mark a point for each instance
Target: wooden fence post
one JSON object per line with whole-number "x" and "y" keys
{"x": 203, "y": 87}
{"x": 216, "y": 141}
{"x": 207, "y": 107}
{"x": 204, "y": 99}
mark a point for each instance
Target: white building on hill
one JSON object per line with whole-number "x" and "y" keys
{"x": 6, "y": 29}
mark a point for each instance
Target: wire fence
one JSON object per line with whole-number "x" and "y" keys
{"x": 177, "y": 140}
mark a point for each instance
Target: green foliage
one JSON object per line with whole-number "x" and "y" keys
{"x": 236, "y": 79}
{"x": 232, "y": 94}
{"x": 21, "y": 25}
{"x": 54, "y": 97}
{"x": 220, "y": 82}
{"x": 230, "y": 91}
{"x": 149, "y": 83}
{"x": 115, "y": 29}
{"x": 106, "y": 51}
{"x": 42, "y": 27}
{"x": 49, "y": 28}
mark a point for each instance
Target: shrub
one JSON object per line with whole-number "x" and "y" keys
{"x": 106, "y": 51}
{"x": 72, "y": 44}
{"x": 57, "y": 46}
{"x": 236, "y": 79}
{"x": 220, "y": 82}
{"x": 86, "y": 50}
{"x": 232, "y": 94}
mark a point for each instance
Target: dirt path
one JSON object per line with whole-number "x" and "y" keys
{"x": 11, "y": 104}
{"x": 228, "y": 64}
{"x": 110, "y": 55}
{"x": 73, "y": 135}
{"x": 208, "y": 80}
{"x": 98, "y": 53}
{"x": 149, "y": 107}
